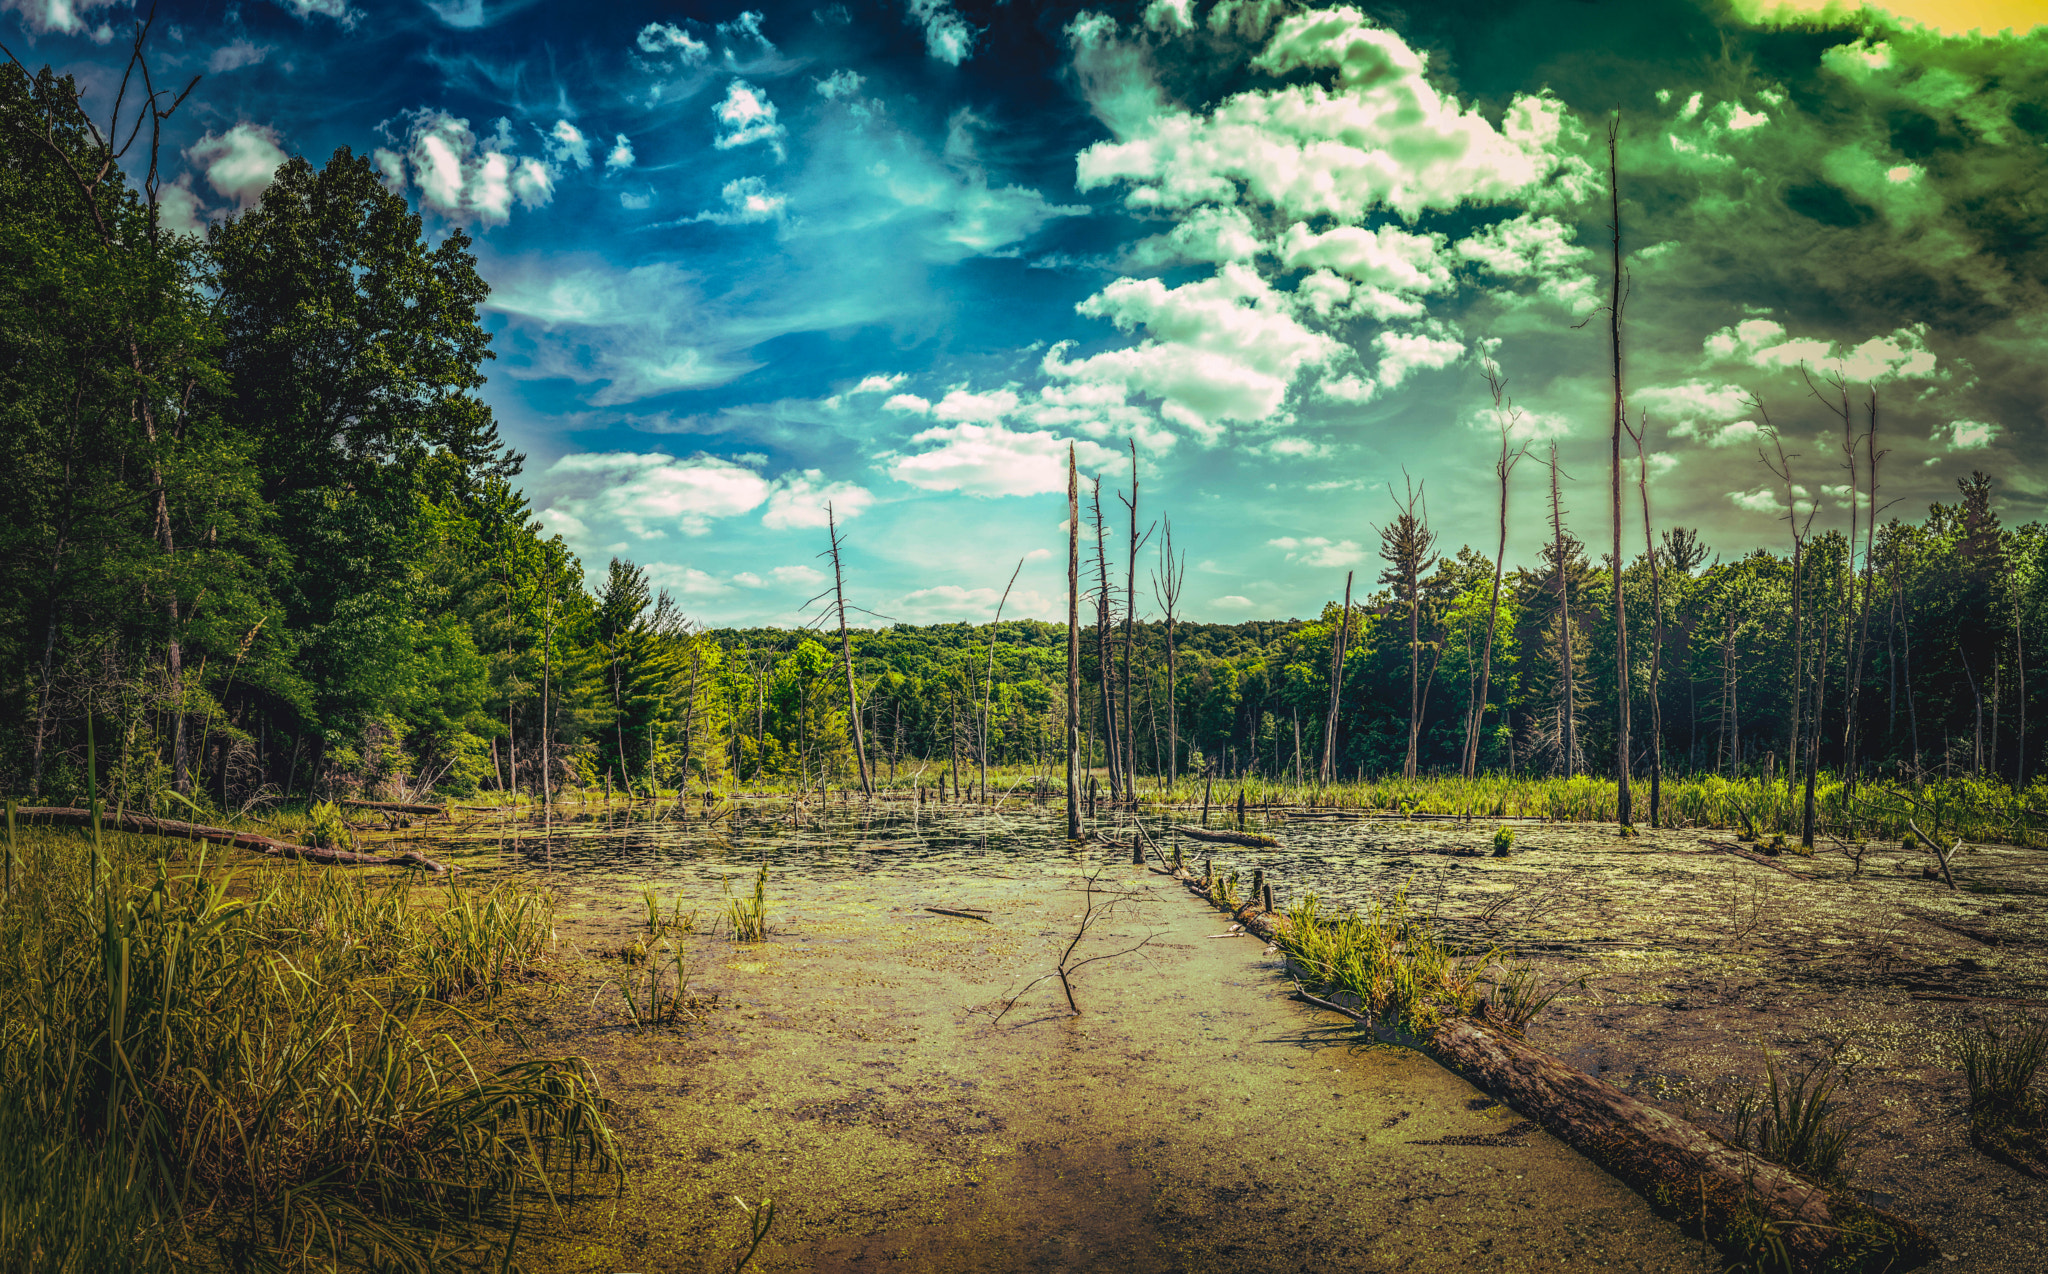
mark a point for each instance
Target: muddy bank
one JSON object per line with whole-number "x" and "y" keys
{"x": 1191, "y": 1118}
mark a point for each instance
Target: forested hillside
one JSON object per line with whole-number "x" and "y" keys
{"x": 264, "y": 541}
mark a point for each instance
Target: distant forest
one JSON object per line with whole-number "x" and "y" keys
{"x": 263, "y": 541}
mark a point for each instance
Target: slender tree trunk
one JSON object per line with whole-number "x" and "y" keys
{"x": 1853, "y": 728}
{"x": 1105, "y": 658}
{"x": 1623, "y": 802}
{"x": 1414, "y": 584}
{"x": 1130, "y": 615}
{"x": 860, "y": 743}
{"x": 1073, "y": 647}
{"x": 1906, "y": 668}
{"x": 1329, "y": 772}
{"x": 1568, "y": 724}
{"x": 1656, "y": 635}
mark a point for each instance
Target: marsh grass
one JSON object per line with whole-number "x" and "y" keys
{"x": 2008, "y": 1114}
{"x": 1392, "y": 962}
{"x": 282, "y": 1071}
{"x": 749, "y": 916}
{"x": 1799, "y": 1122}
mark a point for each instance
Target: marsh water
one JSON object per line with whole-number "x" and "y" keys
{"x": 859, "y": 1068}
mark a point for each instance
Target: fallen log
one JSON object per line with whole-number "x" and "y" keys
{"x": 395, "y": 807}
{"x": 1227, "y": 838}
{"x": 1707, "y": 1185}
{"x": 59, "y": 816}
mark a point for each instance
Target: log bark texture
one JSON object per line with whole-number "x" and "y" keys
{"x": 60, "y": 816}
{"x": 1705, "y": 1184}
{"x": 1227, "y": 838}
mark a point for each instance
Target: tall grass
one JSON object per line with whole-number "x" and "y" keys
{"x": 281, "y": 1072}
{"x": 1396, "y": 966}
{"x": 2008, "y": 1112}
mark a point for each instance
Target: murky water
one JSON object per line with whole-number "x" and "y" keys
{"x": 859, "y": 1068}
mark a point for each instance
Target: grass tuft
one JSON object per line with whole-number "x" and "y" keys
{"x": 2008, "y": 1115}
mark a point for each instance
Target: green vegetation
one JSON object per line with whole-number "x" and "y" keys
{"x": 1399, "y": 970}
{"x": 2008, "y": 1112}
{"x": 1798, "y": 1123}
{"x": 749, "y": 916}
{"x": 290, "y": 1070}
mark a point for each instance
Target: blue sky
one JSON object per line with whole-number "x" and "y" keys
{"x": 898, "y": 257}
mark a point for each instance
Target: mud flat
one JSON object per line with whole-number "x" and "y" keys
{"x": 1192, "y": 1117}
{"x": 1697, "y": 961}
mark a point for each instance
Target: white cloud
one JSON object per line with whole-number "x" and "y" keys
{"x": 1693, "y": 403}
{"x": 1764, "y": 343}
{"x": 691, "y": 582}
{"x": 1382, "y": 136}
{"x": 64, "y": 17}
{"x": 179, "y": 211}
{"x": 1206, "y": 234}
{"x": 799, "y": 501}
{"x": 240, "y": 163}
{"x": 985, "y": 409}
{"x": 1404, "y": 353}
{"x": 234, "y": 55}
{"x": 1966, "y": 435}
{"x": 664, "y": 39}
{"x": 841, "y": 85}
{"x": 1661, "y": 463}
{"x": 648, "y": 493}
{"x": 463, "y": 176}
{"x": 1316, "y": 550}
{"x": 1523, "y": 425}
{"x": 1217, "y": 349}
{"x": 1393, "y": 267}
{"x": 566, "y": 144}
{"x": 991, "y": 460}
{"x": 880, "y": 384}
{"x": 800, "y": 575}
{"x": 948, "y": 37}
{"x": 1533, "y": 247}
{"x": 911, "y": 403}
{"x": 1768, "y": 499}
{"x": 747, "y": 200}
{"x": 1231, "y": 601}
{"x": 746, "y": 28}
{"x": 621, "y": 155}
{"x": 307, "y": 10}
{"x": 747, "y": 116}
{"x": 1170, "y": 15}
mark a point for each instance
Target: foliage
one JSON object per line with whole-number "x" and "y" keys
{"x": 1797, "y": 1122}
{"x": 2008, "y": 1113}
{"x": 1394, "y": 963}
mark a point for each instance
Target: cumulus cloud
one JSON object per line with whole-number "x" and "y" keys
{"x": 1315, "y": 550}
{"x": 879, "y": 384}
{"x": 1404, "y": 353}
{"x": 239, "y": 163}
{"x": 1394, "y": 268}
{"x": 948, "y": 37}
{"x": 1966, "y": 435}
{"x": 64, "y": 17}
{"x": 1535, "y": 248}
{"x": 800, "y": 501}
{"x": 1769, "y": 499}
{"x": 993, "y": 460}
{"x": 621, "y": 155}
{"x": 648, "y": 493}
{"x": 1383, "y": 135}
{"x": 178, "y": 210}
{"x": 952, "y": 602}
{"x": 461, "y": 175}
{"x": 666, "y": 39}
{"x": 1207, "y": 234}
{"x": 747, "y": 116}
{"x": 747, "y": 200}
{"x": 306, "y": 10}
{"x": 912, "y": 403}
{"x": 1764, "y": 343}
{"x": 566, "y": 144}
{"x": 841, "y": 85}
{"x": 1217, "y": 349}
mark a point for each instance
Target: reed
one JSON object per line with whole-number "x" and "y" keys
{"x": 1392, "y": 962}
{"x": 279, "y": 1072}
{"x": 2008, "y": 1113}
{"x": 749, "y": 916}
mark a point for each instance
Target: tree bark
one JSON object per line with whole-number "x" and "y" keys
{"x": 144, "y": 826}
{"x": 860, "y": 745}
{"x": 1074, "y": 647}
{"x": 1622, "y": 796}
{"x": 1336, "y": 687}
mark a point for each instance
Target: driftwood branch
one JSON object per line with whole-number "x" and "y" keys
{"x": 1227, "y": 838}
{"x": 395, "y": 807}
{"x": 59, "y": 816}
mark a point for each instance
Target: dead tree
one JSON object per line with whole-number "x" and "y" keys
{"x": 1073, "y": 647}
{"x": 1336, "y": 686}
{"x": 1782, "y": 470}
{"x": 1130, "y": 616}
{"x": 1568, "y": 708}
{"x": 989, "y": 685}
{"x": 1166, "y": 587}
{"x": 1405, "y": 546}
{"x": 1505, "y": 414}
{"x": 860, "y": 746}
{"x": 1622, "y": 799}
{"x": 1657, "y": 630}
{"x": 1105, "y": 659}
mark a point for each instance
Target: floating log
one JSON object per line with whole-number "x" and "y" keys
{"x": 1708, "y": 1185}
{"x": 142, "y": 824}
{"x": 1228, "y": 838}
{"x": 394, "y": 807}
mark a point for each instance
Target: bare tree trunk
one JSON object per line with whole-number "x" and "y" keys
{"x": 1336, "y": 687}
{"x": 860, "y": 743}
{"x": 1657, "y": 633}
{"x": 1073, "y": 647}
{"x": 1623, "y": 799}
{"x": 1502, "y": 468}
{"x": 1166, "y": 586}
{"x": 1105, "y": 660}
{"x": 1567, "y": 672}
{"x": 989, "y": 685}
{"x": 1906, "y": 667}
{"x": 1130, "y": 615}
{"x": 1853, "y": 733}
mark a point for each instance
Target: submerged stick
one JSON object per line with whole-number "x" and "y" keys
{"x": 1229, "y": 838}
